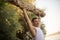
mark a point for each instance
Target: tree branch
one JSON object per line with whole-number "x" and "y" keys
{"x": 21, "y": 4}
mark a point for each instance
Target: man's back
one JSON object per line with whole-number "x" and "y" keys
{"x": 39, "y": 34}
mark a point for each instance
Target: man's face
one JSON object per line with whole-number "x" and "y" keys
{"x": 36, "y": 22}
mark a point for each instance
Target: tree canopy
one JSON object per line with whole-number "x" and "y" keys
{"x": 12, "y": 25}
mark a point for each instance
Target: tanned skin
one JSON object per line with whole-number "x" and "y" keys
{"x": 31, "y": 25}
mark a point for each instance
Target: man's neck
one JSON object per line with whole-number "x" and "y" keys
{"x": 36, "y": 26}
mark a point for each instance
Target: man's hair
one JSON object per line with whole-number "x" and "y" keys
{"x": 34, "y": 18}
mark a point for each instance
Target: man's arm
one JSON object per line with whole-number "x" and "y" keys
{"x": 29, "y": 23}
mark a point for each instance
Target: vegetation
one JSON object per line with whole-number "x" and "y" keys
{"x": 12, "y": 25}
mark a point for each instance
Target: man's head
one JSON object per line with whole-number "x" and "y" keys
{"x": 35, "y": 21}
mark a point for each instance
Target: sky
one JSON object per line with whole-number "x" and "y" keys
{"x": 52, "y": 18}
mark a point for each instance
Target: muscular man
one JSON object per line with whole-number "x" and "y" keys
{"x": 34, "y": 27}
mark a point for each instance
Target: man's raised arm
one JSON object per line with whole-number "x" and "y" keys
{"x": 29, "y": 23}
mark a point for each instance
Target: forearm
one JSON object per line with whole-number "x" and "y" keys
{"x": 27, "y": 18}
{"x": 29, "y": 22}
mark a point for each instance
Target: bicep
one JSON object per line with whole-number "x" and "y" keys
{"x": 33, "y": 31}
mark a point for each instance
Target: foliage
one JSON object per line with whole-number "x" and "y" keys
{"x": 8, "y": 23}
{"x": 43, "y": 28}
{"x": 12, "y": 25}
{"x": 29, "y": 1}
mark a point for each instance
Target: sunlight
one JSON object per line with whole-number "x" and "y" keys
{"x": 52, "y": 18}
